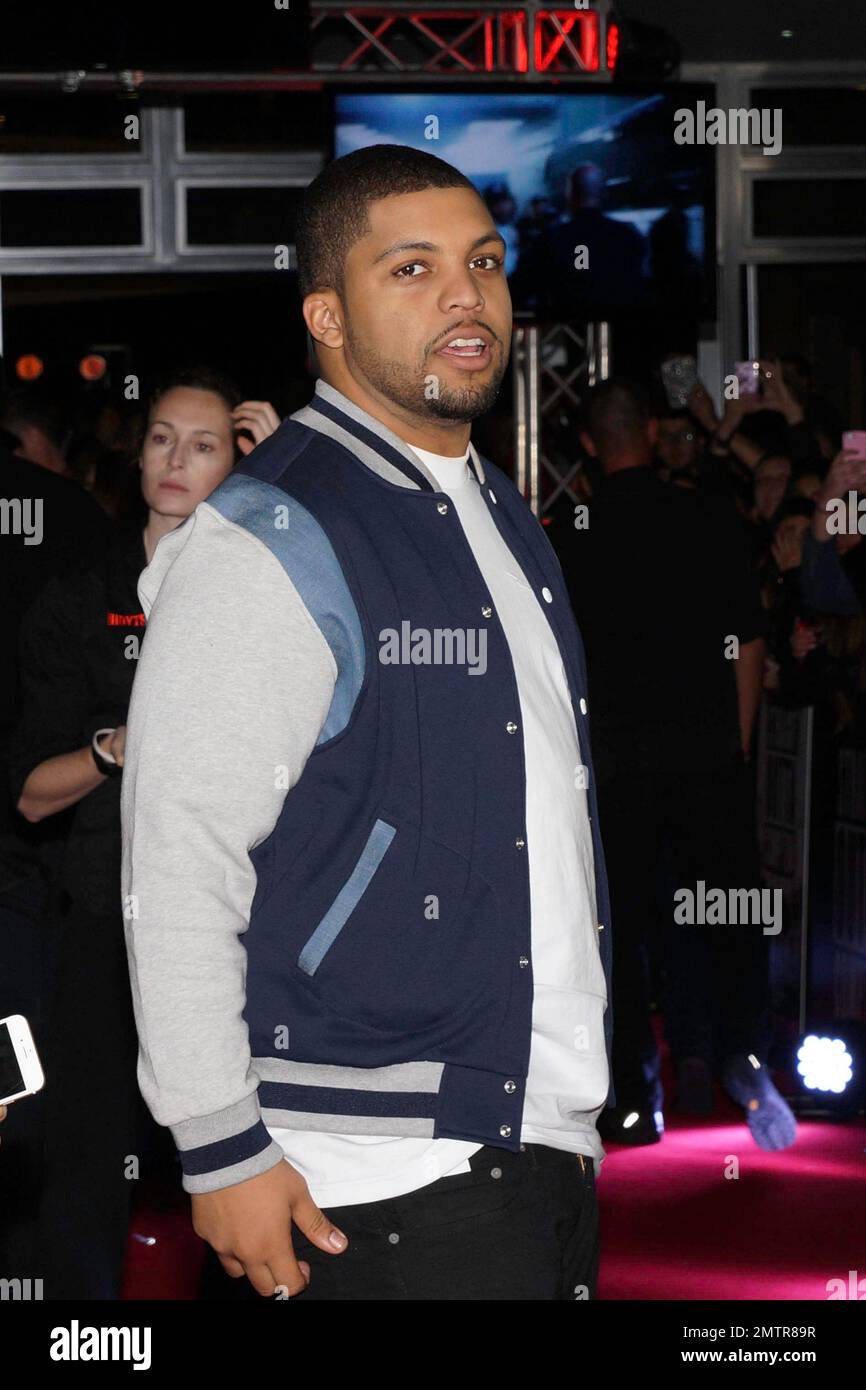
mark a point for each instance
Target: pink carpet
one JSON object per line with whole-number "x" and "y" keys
{"x": 673, "y": 1226}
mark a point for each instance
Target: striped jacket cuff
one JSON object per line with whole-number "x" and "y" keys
{"x": 226, "y": 1147}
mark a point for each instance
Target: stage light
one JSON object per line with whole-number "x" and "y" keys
{"x": 641, "y": 52}
{"x": 612, "y": 45}
{"x": 831, "y": 1067}
{"x": 825, "y": 1064}
{"x": 93, "y": 367}
{"x": 29, "y": 367}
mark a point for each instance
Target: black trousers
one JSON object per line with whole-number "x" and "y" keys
{"x": 663, "y": 831}
{"x": 93, "y": 1111}
{"x": 25, "y": 956}
{"x": 518, "y": 1226}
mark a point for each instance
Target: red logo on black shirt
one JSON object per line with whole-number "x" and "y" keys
{"x": 125, "y": 619}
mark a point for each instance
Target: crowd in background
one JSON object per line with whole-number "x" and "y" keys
{"x": 779, "y": 456}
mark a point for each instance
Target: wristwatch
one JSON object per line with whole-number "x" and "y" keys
{"x": 106, "y": 763}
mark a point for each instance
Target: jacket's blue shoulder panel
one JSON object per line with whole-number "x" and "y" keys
{"x": 298, "y": 541}
{"x": 270, "y": 459}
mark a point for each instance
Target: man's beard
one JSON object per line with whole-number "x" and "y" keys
{"x": 422, "y": 391}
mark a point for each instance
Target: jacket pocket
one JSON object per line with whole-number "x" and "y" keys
{"x": 329, "y": 928}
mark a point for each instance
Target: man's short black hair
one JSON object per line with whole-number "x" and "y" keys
{"x": 34, "y": 405}
{"x": 615, "y": 412}
{"x": 333, "y": 210}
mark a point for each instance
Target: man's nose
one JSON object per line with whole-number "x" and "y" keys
{"x": 463, "y": 292}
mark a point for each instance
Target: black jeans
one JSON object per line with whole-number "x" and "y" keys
{"x": 518, "y": 1226}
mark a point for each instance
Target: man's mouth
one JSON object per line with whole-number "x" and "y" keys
{"x": 472, "y": 352}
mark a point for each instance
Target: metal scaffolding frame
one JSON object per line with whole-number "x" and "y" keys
{"x": 849, "y": 886}
{"x": 498, "y": 39}
{"x": 495, "y": 38}
{"x": 553, "y": 364}
{"x": 784, "y": 812}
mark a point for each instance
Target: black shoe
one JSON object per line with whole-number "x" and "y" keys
{"x": 620, "y": 1125}
{"x": 694, "y": 1088}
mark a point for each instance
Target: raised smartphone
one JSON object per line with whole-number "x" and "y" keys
{"x": 21, "y": 1071}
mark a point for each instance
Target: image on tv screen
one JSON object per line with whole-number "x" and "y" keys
{"x": 600, "y": 209}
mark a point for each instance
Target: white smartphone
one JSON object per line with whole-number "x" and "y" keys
{"x": 21, "y": 1071}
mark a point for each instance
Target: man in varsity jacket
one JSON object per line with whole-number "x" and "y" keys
{"x": 363, "y": 883}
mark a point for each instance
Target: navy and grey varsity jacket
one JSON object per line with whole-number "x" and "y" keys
{"x": 293, "y": 806}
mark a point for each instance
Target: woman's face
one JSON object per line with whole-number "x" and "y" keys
{"x": 188, "y": 449}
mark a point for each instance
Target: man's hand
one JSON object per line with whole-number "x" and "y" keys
{"x": 700, "y": 405}
{"x": 777, "y": 395}
{"x": 249, "y": 1225}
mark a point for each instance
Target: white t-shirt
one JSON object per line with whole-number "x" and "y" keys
{"x": 568, "y": 1072}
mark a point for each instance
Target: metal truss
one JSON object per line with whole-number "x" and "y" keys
{"x": 482, "y": 40}
{"x": 389, "y": 40}
{"x": 553, "y": 366}
{"x": 412, "y": 40}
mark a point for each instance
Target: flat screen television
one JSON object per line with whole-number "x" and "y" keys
{"x": 562, "y": 171}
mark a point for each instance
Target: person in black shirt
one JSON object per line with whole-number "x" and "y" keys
{"x": 663, "y": 590}
{"x": 50, "y": 524}
{"x": 39, "y": 423}
{"x": 79, "y": 646}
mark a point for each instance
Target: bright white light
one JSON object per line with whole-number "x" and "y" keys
{"x": 825, "y": 1064}
{"x": 630, "y": 1120}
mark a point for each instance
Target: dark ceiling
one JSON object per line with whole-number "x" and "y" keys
{"x": 751, "y": 30}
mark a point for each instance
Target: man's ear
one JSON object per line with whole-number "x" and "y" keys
{"x": 652, "y": 430}
{"x": 586, "y": 441}
{"x": 323, "y": 315}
